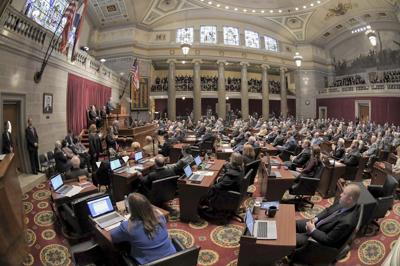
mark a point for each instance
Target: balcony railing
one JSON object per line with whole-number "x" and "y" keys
{"x": 17, "y": 27}
{"x": 360, "y": 89}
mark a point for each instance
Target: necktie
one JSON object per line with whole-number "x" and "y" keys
{"x": 328, "y": 218}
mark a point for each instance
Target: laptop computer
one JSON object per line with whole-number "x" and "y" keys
{"x": 260, "y": 229}
{"x": 58, "y": 185}
{"x": 198, "y": 162}
{"x": 139, "y": 157}
{"x": 196, "y": 178}
{"x": 103, "y": 212}
{"x": 116, "y": 166}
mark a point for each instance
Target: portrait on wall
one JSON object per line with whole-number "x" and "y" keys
{"x": 47, "y": 103}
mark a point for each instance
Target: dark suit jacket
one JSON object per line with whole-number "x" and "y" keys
{"x": 179, "y": 165}
{"x": 31, "y": 138}
{"x": 352, "y": 158}
{"x": 7, "y": 142}
{"x": 248, "y": 159}
{"x": 157, "y": 173}
{"x": 231, "y": 179}
{"x": 111, "y": 143}
{"x": 61, "y": 161}
{"x": 302, "y": 158}
{"x": 335, "y": 232}
{"x": 74, "y": 173}
{"x": 94, "y": 145}
{"x": 310, "y": 167}
{"x": 166, "y": 147}
{"x": 338, "y": 153}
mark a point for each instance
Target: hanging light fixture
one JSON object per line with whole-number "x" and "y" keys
{"x": 298, "y": 59}
{"x": 185, "y": 46}
{"x": 371, "y": 36}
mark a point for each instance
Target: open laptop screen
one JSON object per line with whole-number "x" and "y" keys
{"x": 114, "y": 164}
{"x": 100, "y": 206}
{"x": 56, "y": 182}
{"x": 197, "y": 160}
{"x": 188, "y": 170}
{"x": 249, "y": 221}
{"x": 138, "y": 156}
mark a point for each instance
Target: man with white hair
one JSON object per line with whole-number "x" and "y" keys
{"x": 75, "y": 172}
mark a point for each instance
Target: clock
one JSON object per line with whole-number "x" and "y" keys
{"x": 307, "y": 102}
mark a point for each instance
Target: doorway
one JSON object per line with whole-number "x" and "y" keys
{"x": 322, "y": 112}
{"x": 13, "y": 106}
{"x": 363, "y": 110}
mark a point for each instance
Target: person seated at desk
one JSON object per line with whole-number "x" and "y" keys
{"x": 316, "y": 140}
{"x": 333, "y": 226}
{"x": 272, "y": 135}
{"x": 200, "y": 129}
{"x": 185, "y": 159}
{"x": 150, "y": 149}
{"x": 160, "y": 171}
{"x": 62, "y": 162}
{"x": 146, "y": 231}
{"x": 311, "y": 165}
{"x": 338, "y": 150}
{"x": 102, "y": 175}
{"x": 179, "y": 135}
{"x": 371, "y": 153}
{"x": 135, "y": 147}
{"x": 290, "y": 143}
{"x": 249, "y": 154}
{"x": 207, "y": 137}
{"x": 75, "y": 170}
{"x": 352, "y": 155}
{"x": 300, "y": 160}
{"x": 167, "y": 146}
{"x": 279, "y": 139}
{"x": 78, "y": 148}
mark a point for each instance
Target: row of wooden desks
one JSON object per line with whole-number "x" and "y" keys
{"x": 191, "y": 193}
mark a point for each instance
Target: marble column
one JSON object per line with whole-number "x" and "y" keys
{"x": 171, "y": 90}
{"x": 244, "y": 91}
{"x": 221, "y": 90}
{"x": 265, "y": 91}
{"x": 284, "y": 105}
{"x": 196, "y": 90}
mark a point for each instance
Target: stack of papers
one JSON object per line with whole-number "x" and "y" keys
{"x": 205, "y": 173}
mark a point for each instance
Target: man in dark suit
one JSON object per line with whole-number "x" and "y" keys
{"x": 333, "y": 226}
{"x": 32, "y": 140}
{"x": 69, "y": 138}
{"x": 8, "y": 146}
{"x": 302, "y": 158}
{"x": 352, "y": 156}
{"x": 160, "y": 171}
{"x": 75, "y": 172}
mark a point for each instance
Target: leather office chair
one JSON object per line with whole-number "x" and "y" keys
{"x": 384, "y": 196}
{"x": 227, "y": 203}
{"x": 50, "y": 158}
{"x": 44, "y": 163}
{"x": 362, "y": 164}
{"x": 87, "y": 253}
{"x": 163, "y": 190}
{"x": 253, "y": 165}
{"x": 183, "y": 257}
{"x": 305, "y": 186}
{"x": 315, "y": 253}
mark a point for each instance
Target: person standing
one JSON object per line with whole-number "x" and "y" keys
{"x": 7, "y": 145}
{"x": 32, "y": 140}
{"x": 95, "y": 147}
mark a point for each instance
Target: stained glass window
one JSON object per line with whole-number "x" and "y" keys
{"x": 208, "y": 34}
{"x": 251, "y": 39}
{"x": 271, "y": 44}
{"x": 231, "y": 36}
{"x": 184, "y": 35}
{"x": 47, "y": 12}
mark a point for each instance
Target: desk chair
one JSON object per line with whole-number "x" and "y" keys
{"x": 314, "y": 253}
{"x": 183, "y": 257}
{"x": 44, "y": 163}
{"x": 305, "y": 186}
{"x": 50, "y": 158}
{"x": 87, "y": 253}
{"x": 252, "y": 166}
{"x": 384, "y": 196}
{"x": 163, "y": 190}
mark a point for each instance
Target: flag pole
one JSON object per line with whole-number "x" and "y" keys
{"x": 37, "y": 77}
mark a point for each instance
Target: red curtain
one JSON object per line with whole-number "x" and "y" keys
{"x": 81, "y": 94}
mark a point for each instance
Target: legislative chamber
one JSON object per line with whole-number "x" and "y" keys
{"x": 197, "y": 132}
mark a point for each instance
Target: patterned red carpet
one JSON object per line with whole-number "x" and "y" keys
{"x": 219, "y": 244}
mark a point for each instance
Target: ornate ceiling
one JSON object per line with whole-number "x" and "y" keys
{"x": 317, "y": 21}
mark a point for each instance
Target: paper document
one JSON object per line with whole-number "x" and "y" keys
{"x": 112, "y": 226}
{"x": 205, "y": 173}
{"x": 75, "y": 190}
{"x": 131, "y": 170}
{"x": 227, "y": 150}
{"x": 98, "y": 164}
{"x": 125, "y": 158}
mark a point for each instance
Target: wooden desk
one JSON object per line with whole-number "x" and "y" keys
{"x": 191, "y": 193}
{"x": 329, "y": 178}
{"x": 59, "y": 199}
{"x": 122, "y": 183}
{"x": 139, "y": 133}
{"x": 274, "y": 188}
{"x": 221, "y": 152}
{"x": 265, "y": 252}
{"x": 268, "y": 148}
{"x": 103, "y": 239}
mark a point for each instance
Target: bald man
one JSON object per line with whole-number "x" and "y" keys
{"x": 333, "y": 226}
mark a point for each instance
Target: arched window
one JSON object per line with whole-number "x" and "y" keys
{"x": 47, "y": 13}
{"x": 271, "y": 44}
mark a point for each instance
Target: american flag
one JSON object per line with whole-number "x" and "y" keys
{"x": 69, "y": 14}
{"x": 134, "y": 71}
{"x": 78, "y": 22}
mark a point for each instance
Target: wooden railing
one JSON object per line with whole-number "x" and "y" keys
{"x": 388, "y": 88}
